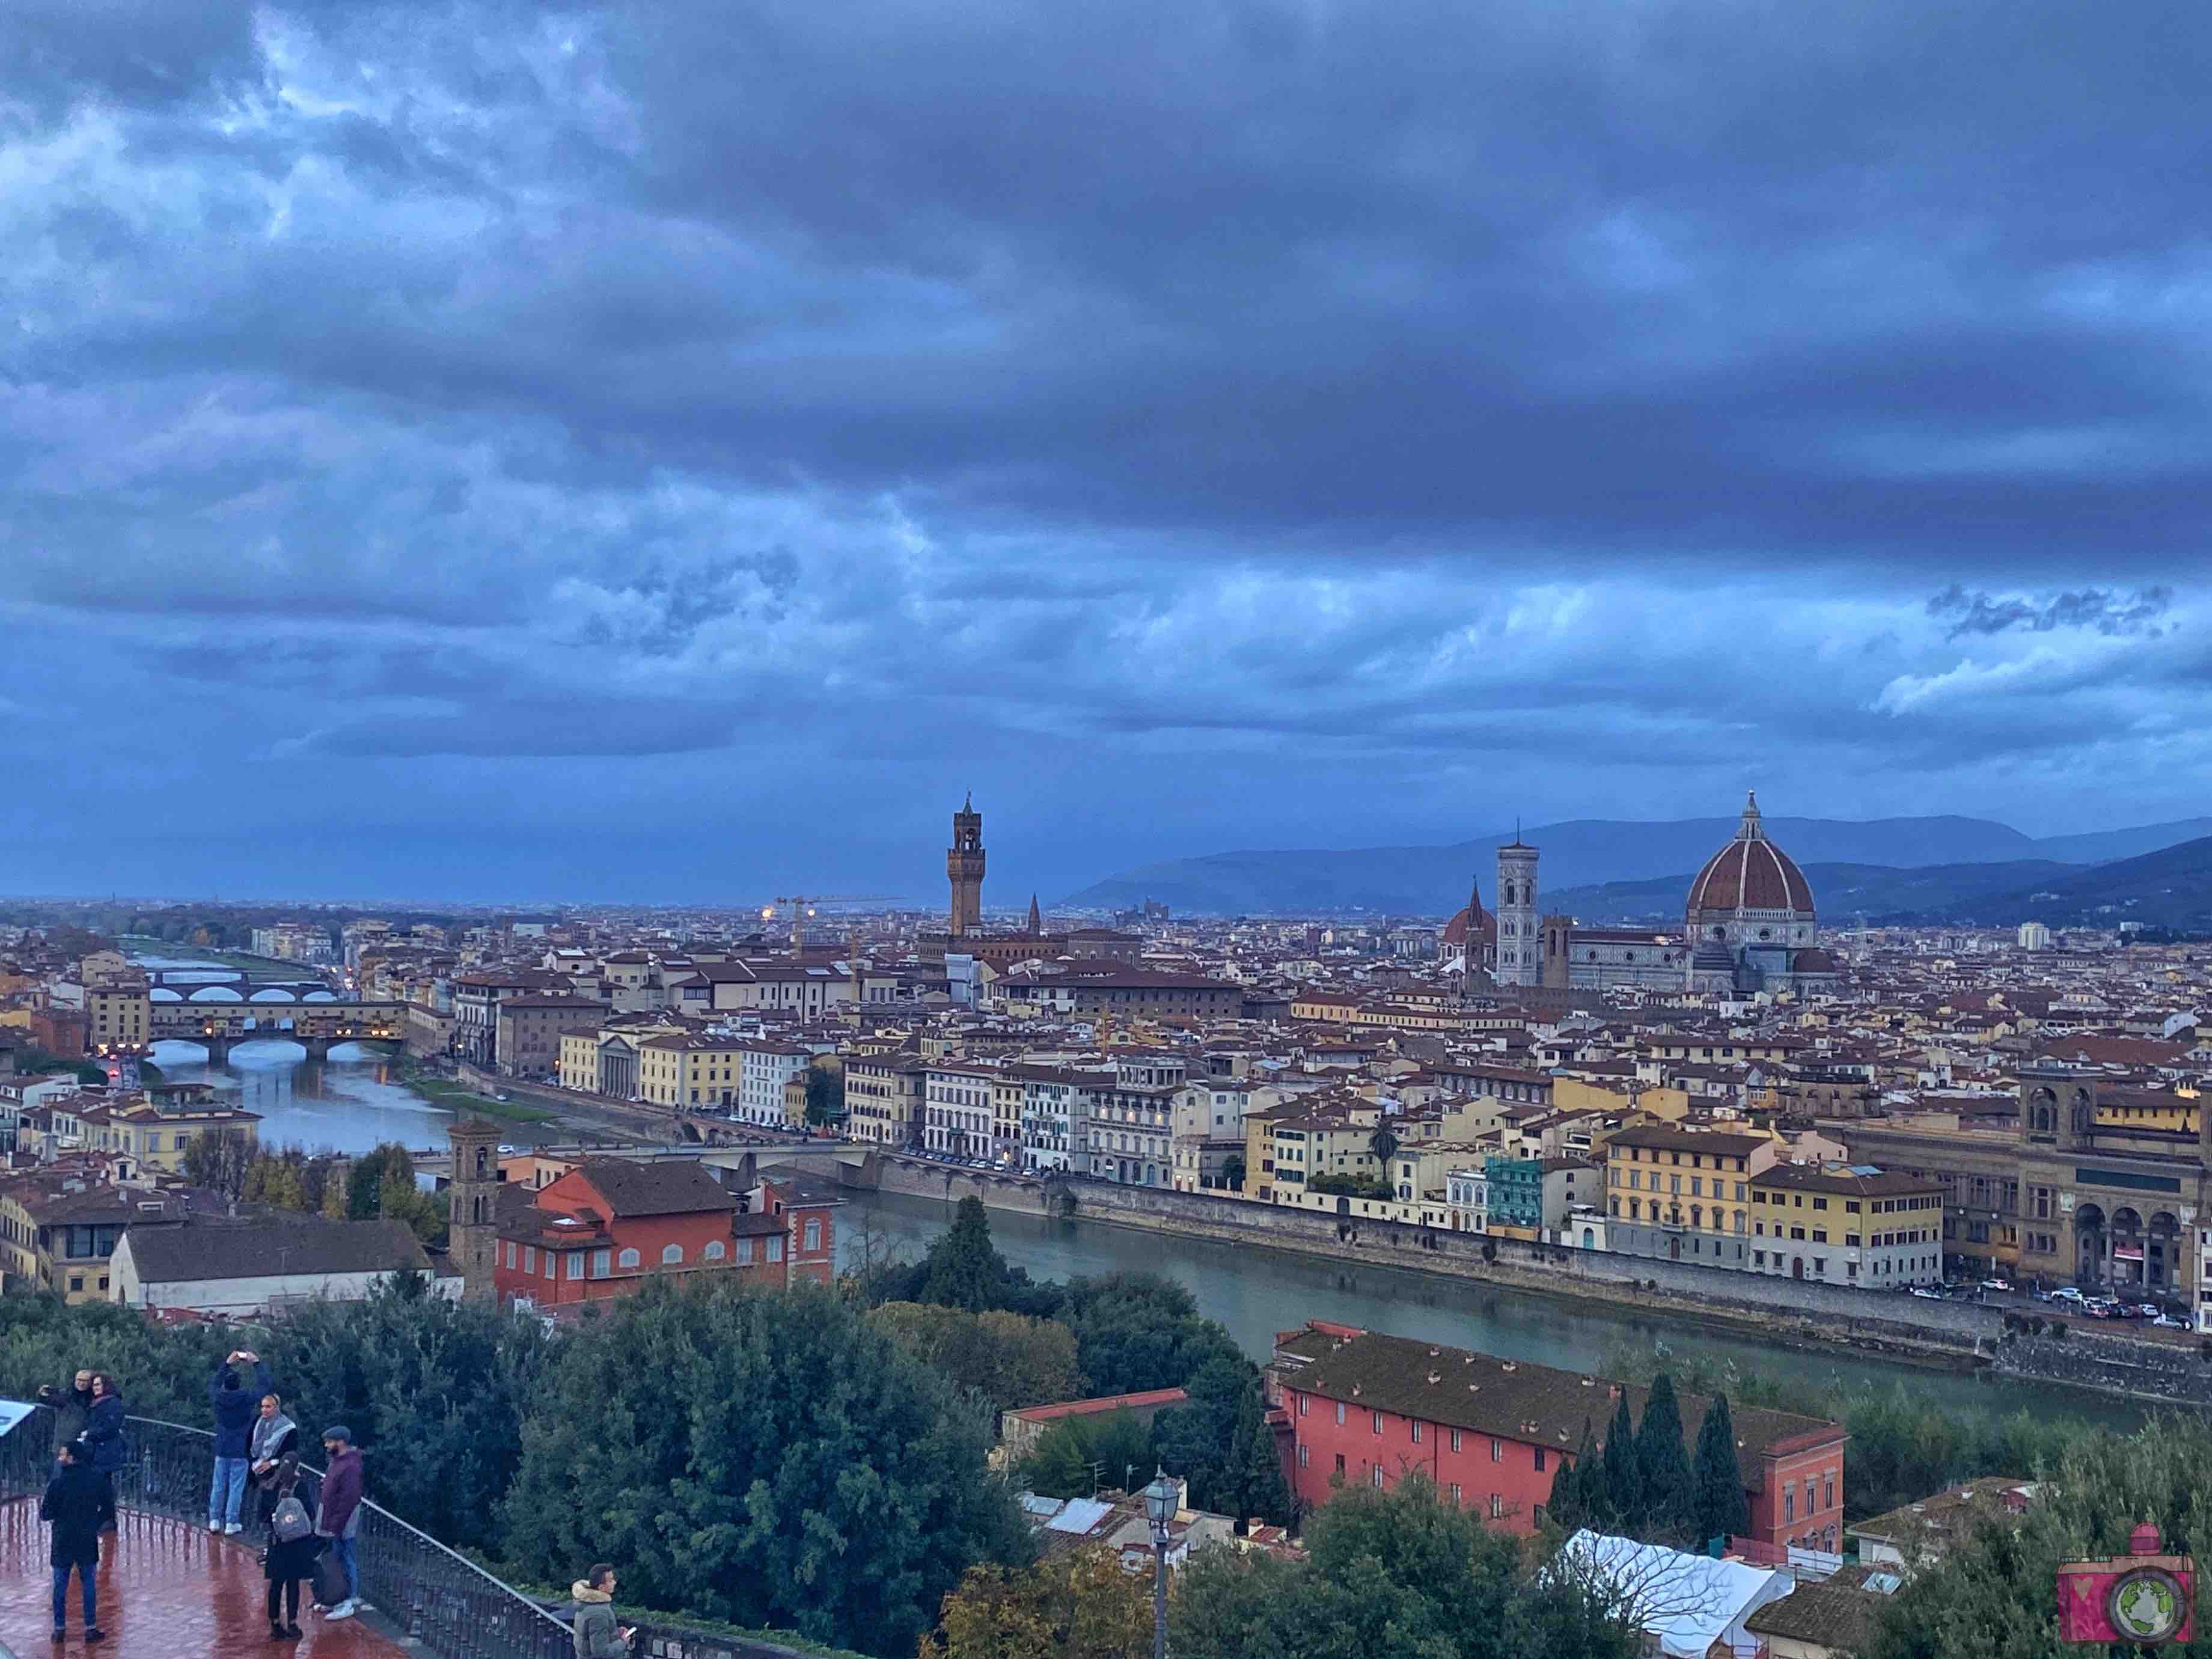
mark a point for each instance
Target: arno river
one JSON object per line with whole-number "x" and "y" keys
{"x": 348, "y": 1104}
{"x": 1255, "y": 1293}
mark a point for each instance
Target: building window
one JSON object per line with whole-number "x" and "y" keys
{"x": 1496, "y": 1506}
{"x": 670, "y": 1255}
{"x": 510, "y": 1253}
{"x": 1340, "y": 1413}
{"x": 1304, "y": 1401}
{"x": 1378, "y": 1422}
{"x": 775, "y": 1248}
{"x": 575, "y": 1264}
{"x": 1455, "y": 1439}
{"x": 1303, "y": 1459}
{"x": 599, "y": 1263}
{"x": 1418, "y": 1426}
{"x": 1497, "y": 1450}
{"x": 813, "y": 1233}
{"x": 1375, "y": 1477}
{"x": 1455, "y": 1496}
{"x": 1340, "y": 1466}
{"x": 530, "y": 1258}
{"x": 629, "y": 1258}
{"x": 744, "y": 1253}
{"x": 1540, "y": 1460}
{"x": 713, "y": 1252}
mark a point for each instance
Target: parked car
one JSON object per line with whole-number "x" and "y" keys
{"x": 1923, "y": 1290}
{"x": 2148, "y": 1310}
{"x": 1997, "y": 1284}
{"x": 2169, "y": 1323}
{"x": 2068, "y": 1293}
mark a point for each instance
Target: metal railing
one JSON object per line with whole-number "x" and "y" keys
{"x": 453, "y": 1607}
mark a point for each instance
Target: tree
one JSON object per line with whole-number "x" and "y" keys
{"x": 365, "y": 1180}
{"x": 1013, "y": 1361}
{"x": 1136, "y": 1331}
{"x": 1079, "y": 1455}
{"x": 1220, "y": 1442}
{"x": 274, "y": 1181}
{"x": 217, "y": 1159}
{"x": 1080, "y": 1605}
{"x": 825, "y": 1096}
{"x": 434, "y": 1391}
{"x": 963, "y": 1270}
{"x": 1568, "y": 1507}
{"x": 1716, "y": 1478}
{"x": 761, "y": 1460}
{"x": 1624, "y": 1476}
{"x": 1990, "y": 1596}
{"x": 1663, "y": 1462}
{"x": 398, "y": 1199}
{"x": 1402, "y": 1573}
{"x": 1382, "y": 1145}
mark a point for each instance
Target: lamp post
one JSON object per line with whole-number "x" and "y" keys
{"x": 1160, "y": 1503}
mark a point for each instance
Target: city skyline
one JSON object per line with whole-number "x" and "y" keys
{"x": 542, "y": 455}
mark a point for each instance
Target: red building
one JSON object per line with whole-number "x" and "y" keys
{"x": 611, "y": 1224}
{"x": 1367, "y": 1409}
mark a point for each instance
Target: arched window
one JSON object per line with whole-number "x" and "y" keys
{"x": 629, "y": 1258}
{"x": 670, "y": 1255}
{"x": 713, "y": 1252}
{"x": 483, "y": 1162}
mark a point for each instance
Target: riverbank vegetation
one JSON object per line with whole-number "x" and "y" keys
{"x": 464, "y": 1102}
{"x": 1902, "y": 1447}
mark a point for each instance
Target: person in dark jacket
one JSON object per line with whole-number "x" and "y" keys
{"x": 340, "y": 1519}
{"x": 72, "y": 1407}
{"x": 103, "y": 1430}
{"x": 78, "y": 1505}
{"x": 234, "y": 1410}
{"x": 272, "y": 1456}
{"x": 288, "y": 1560}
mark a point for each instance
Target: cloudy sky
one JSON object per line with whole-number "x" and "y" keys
{"x": 670, "y": 450}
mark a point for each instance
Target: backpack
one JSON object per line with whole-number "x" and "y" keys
{"x": 290, "y": 1522}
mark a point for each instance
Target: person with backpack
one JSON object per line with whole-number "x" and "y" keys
{"x": 79, "y": 1505}
{"x": 234, "y": 1409}
{"x": 593, "y": 1630}
{"x": 340, "y": 1519}
{"x": 293, "y": 1547}
{"x": 272, "y": 1457}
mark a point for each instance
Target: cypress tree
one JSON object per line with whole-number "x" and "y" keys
{"x": 1722, "y": 1510}
{"x": 1663, "y": 1461}
{"x": 1563, "y": 1508}
{"x": 1596, "y": 1504}
{"x": 1624, "y": 1479}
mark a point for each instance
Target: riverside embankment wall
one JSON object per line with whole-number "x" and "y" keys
{"x": 2114, "y": 1364}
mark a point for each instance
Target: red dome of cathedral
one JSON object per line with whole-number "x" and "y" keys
{"x": 1471, "y": 917}
{"x": 1750, "y": 873}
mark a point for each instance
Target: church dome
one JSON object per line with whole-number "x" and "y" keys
{"x": 1471, "y": 918}
{"x": 1750, "y": 873}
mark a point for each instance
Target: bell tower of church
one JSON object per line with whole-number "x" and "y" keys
{"x": 474, "y": 1218}
{"x": 1520, "y": 936}
{"x": 964, "y": 871}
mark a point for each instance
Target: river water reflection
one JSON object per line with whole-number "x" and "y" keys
{"x": 1255, "y": 1292}
{"x": 348, "y": 1104}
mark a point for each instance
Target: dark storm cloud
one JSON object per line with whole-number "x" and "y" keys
{"x": 2106, "y": 611}
{"x": 1575, "y": 400}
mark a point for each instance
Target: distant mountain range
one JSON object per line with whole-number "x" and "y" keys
{"x": 1611, "y": 869}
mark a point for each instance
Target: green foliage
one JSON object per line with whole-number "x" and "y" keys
{"x": 1992, "y": 1596}
{"x": 1719, "y": 1507}
{"x": 1350, "y": 1186}
{"x": 1400, "y": 1573}
{"x": 762, "y": 1458}
{"x": 434, "y": 1391}
{"x": 1382, "y": 1146}
{"x": 365, "y": 1180}
{"x": 161, "y": 1370}
{"x": 1013, "y": 1361}
{"x": 1079, "y": 1454}
{"x": 1221, "y": 1444}
{"x": 217, "y": 1159}
{"x": 1079, "y": 1605}
{"x": 825, "y": 1096}
{"x": 1663, "y": 1462}
{"x": 1577, "y": 1498}
{"x": 1136, "y": 1331}
{"x": 1624, "y": 1473}
{"x": 963, "y": 1270}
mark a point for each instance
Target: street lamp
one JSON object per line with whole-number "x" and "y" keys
{"x": 1160, "y": 1500}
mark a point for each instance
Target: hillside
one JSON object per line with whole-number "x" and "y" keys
{"x": 2169, "y": 888}
{"x": 1582, "y": 852}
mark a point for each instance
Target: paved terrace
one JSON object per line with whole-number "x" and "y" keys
{"x": 170, "y": 1589}
{"x": 167, "y": 1590}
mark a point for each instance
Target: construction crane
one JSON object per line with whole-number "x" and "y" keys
{"x": 802, "y": 906}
